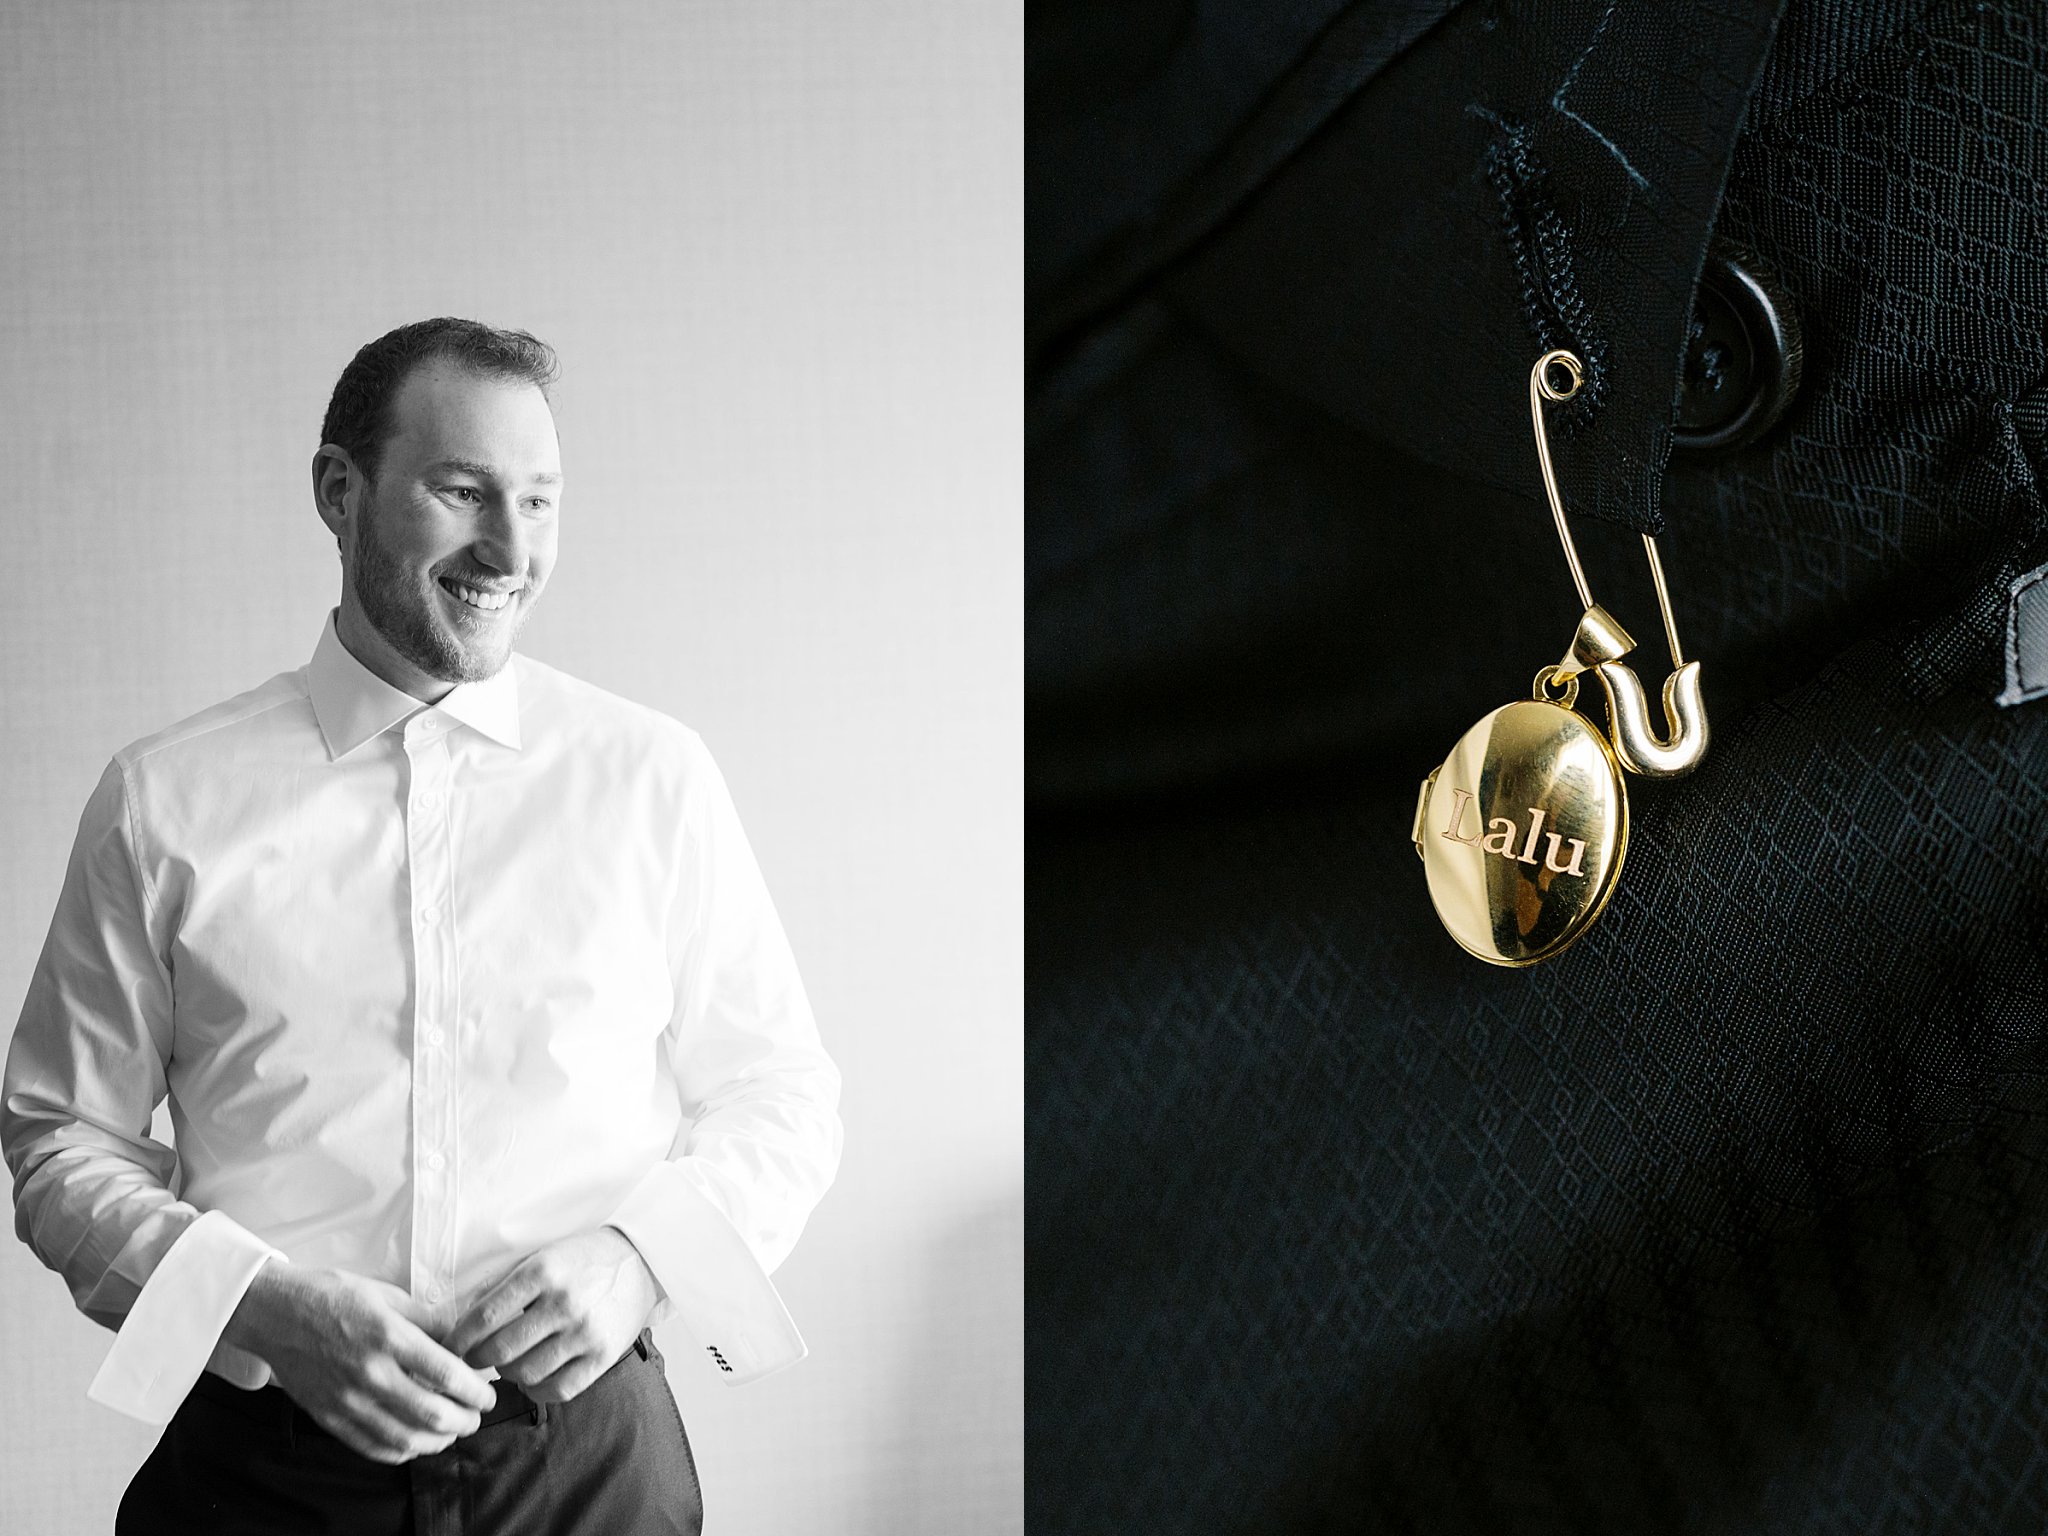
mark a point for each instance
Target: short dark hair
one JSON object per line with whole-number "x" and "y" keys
{"x": 359, "y": 413}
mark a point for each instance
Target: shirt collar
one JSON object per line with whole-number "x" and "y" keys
{"x": 353, "y": 704}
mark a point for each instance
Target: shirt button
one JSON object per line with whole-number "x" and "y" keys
{"x": 430, "y": 722}
{"x": 1742, "y": 360}
{"x": 436, "y": 1035}
{"x": 436, "y": 1161}
{"x": 430, "y": 801}
{"x": 430, "y": 915}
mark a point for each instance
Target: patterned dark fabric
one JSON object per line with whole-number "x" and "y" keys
{"x": 1732, "y": 1218}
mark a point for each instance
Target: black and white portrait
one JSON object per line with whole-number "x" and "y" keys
{"x": 511, "y": 722}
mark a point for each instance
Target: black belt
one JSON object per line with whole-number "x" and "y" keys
{"x": 273, "y": 1406}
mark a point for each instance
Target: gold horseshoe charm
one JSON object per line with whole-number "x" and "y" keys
{"x": 1636, "y": 741}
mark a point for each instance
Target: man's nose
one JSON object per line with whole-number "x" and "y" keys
{"x": 501, "y": 537}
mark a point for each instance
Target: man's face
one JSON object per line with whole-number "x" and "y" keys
{"x": 453, "y": 541}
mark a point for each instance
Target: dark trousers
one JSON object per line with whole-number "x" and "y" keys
{"x": 612, "y": 1462}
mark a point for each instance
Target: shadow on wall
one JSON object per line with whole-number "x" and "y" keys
{"x": 960, "y": 1461}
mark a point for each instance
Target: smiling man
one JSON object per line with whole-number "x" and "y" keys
{"x": 483, "y": 1046}
{"x": 452, "y": 547}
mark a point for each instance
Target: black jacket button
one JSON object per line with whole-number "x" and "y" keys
{"x": 1742, "y": 357}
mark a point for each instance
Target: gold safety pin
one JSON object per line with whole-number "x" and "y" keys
{"x": 1601, "y": 642}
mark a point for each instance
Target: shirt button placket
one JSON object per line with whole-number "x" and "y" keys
{"x": 433, "y": 1110}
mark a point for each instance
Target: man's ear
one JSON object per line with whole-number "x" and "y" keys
{"x": 338, "y": 487}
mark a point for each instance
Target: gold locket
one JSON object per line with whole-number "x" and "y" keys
{"x": 1522, "y": 829}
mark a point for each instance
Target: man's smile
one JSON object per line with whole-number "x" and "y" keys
{"x": 482, "y": 598}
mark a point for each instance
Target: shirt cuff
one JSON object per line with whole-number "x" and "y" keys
{"x": 714, "y": 1284}
{"x": 173, "y": 1331}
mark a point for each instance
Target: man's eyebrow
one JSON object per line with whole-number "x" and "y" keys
{"x": 485, "y": 471}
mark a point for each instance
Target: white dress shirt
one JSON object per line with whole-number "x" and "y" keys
{"x": 428, "y": 987}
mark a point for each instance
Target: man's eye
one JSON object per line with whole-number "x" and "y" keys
{"x": 465, "y": 491}
{"x": 538, "y": 504}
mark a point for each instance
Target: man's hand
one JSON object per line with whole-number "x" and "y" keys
{"x": 349, "y": 1352}
{"x": 558, "y": 1321}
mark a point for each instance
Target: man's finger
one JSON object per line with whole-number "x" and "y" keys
{"x": 570, "y": 1381}
{"x": 495, "y": 1308}
{"x": 440, "y": 1369}
{"x": 524, "y": 1333}
{"x": 369, "y": 1429}
{"x": 542, "y": 1361}
{"x": 422, "y": 1411}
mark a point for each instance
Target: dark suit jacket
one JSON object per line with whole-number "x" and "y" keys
{"x": 1728, "y": 1218}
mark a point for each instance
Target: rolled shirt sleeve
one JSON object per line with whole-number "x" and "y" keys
{"x": 762, "y": 1096}
{"x": 92, "y": 1188}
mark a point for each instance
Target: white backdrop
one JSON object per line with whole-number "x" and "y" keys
{"x": 777, "y": 245}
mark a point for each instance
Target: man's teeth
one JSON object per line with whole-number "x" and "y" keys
{"x": 488, "y": 601}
